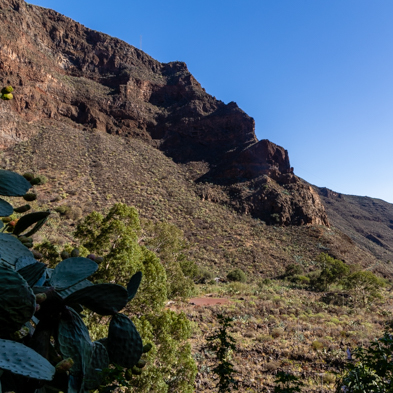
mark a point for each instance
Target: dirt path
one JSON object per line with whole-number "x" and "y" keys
{"x": 207, "y": 301}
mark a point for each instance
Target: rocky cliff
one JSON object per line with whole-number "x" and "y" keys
{"x": 64, "y": 72}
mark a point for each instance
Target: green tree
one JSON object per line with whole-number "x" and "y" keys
{"x": 118, "y": 237}
{"x": 333, "y": 271}
{"x": 364, "y": 286}
{"x": 167, "y": 241}
{"x": 221, "y": 342}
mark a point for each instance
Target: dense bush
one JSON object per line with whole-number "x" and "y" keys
{"x": 293, "y": 269}
{"x": 237, "y": 275}
{"x": 364, "y": 286}
{"x": 118, "y": 236}
{"x": 333, "y": 271}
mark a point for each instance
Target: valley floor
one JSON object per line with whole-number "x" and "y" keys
{"x": 277, "y": 327}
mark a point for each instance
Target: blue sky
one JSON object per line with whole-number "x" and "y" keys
{"x": 316, "y": 75}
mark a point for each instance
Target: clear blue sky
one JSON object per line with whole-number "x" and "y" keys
{"x": 316, "y": 75}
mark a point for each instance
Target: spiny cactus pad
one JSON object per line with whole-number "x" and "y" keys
{"x": 98, "y": 362}
{"x": 23, "y": 360}
{"x": 68, "y": 291}
{"x": 124, "y": 342}
{"x": 24, "y": 261}
{"x": 32, "y": 273}
{"x": 12, "y": 184}
{"x": 104, "y": 299}
{"x": 5, "y": 208}
{"x": 133, "y": 285}
{"x": 71, "y": 271}
{"x": 17, "y": 304}
{"x": 74, "y": 340}
{"x": 11, "y": 249}
{"x": 28, "y": 220}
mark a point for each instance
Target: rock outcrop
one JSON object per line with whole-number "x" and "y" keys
{"x": 65, "y": 72}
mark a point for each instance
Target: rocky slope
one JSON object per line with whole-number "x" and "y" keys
{"x": 63, "y": 71}
{"x": 368, "y": 221}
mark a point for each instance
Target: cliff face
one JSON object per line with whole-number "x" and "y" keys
{"x": 66, "y": 73}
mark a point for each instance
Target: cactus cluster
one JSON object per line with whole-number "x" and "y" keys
{"x": 44, "y": 343}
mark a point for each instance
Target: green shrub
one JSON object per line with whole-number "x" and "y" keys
{"x": 62, "y": 210}
{"x": 221, "y": 342}
{"x": 41, "y": 179}
{"x": 203, "y": 275}
{"x": 333, "y": 272}
{"x": 293, "y": 269}
{"x": 74, "y": 213}
{"x": 317, "y": 345}
{"x": 299, "y": 279}
{"x": 372, "y": 368}
{"x": 237, "y": 275}
{"x": 364, "y": 286}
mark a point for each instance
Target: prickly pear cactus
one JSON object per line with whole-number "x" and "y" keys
{"x": 42, "y": 334}
{"x": 12, "y": 184}
{"x": 124, "y": 342}
{"x": 22, "y": 360}
{"x": 104, "y": 299}
{"x": 6, "y": 209}
{"x": 99, "y": 361}
{"x": 11, "y": 249}
{"x": 71, "y": 271}
{"x": 17, "y": 304}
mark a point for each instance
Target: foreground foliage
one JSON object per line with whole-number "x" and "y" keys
{"x": 118, "y": 237}
{"x": 44, "y": 341}
{"x": 372, "y": 368}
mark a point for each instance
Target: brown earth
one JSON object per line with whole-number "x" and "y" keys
{"x": 207, "y": 301}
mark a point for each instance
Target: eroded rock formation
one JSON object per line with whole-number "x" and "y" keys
{"x": 65, "y": 72}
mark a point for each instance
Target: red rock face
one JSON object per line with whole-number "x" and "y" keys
{"x": 65, "y": 72}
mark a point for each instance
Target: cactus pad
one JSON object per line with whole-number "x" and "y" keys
{"x": 67, "y": 292}
{"x": 124, "y": 342}
{"x": 17, "y": 304}
{"x": 22, "y": 360}
{"x": 98, "y": 361}
{"x": 28, "y": 220}
{"x": 71, "y": 271}
{"x": 24, "y": 261}
{"x": 74, "y": 340}
{"x": 32, "y": 273}
{"x": 12, "y": 184}
{"x": 11, "y": 249}
{"x": 5, "y": 208}
{"x": 104, "y": 299}
{"x": 133, "y": 285}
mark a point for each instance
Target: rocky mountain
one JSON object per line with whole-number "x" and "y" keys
{"x": 66, "y": 72}
{"x": 106, "y": 122}
{"x": 368, "y": 221}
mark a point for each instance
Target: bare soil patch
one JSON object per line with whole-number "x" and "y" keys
{"x": 208, "y": 301}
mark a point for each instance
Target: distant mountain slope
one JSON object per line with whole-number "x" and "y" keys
{"x": 368, "y": 221}
{"x": 66, "y": 72}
